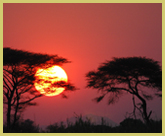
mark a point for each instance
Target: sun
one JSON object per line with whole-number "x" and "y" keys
{"x": 46, "y": 77}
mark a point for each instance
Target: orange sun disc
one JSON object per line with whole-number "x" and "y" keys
{"x": 46, "y": 77}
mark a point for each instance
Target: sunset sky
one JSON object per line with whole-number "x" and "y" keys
{"x": 87, "y": 35}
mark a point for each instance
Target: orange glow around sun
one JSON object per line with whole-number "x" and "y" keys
{"x": 46, "y": 77}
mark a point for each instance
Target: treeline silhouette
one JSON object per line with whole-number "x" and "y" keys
{"x": 128, "y": 125}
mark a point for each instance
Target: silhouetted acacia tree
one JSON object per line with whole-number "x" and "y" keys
{"x": 19, "y": 68}
{"x": 133, "y": 75}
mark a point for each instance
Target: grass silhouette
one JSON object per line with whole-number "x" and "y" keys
{"x": 128, "y": 125}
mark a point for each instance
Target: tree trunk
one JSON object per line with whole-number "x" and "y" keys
{"x": 144, "y": 107}
{"x": 8, "y": 115}
{"x": 16, "y": 111}
{"x": 9, "y": 110}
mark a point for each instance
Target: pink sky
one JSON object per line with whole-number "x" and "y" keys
{"x": 88, "y": 35}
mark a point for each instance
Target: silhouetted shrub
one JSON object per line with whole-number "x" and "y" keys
{"x": 130, "y": 125}
{"x": 25, "y": 126}
{"x": 55, "y": 128}
{"x": 155, "y": 126}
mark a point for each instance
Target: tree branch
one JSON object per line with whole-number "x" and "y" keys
{"x": 120, "y": 88}
{"x": 26, "y": 89}
{"x": 5, "y": 93}
{"x": 30, "y": 99}
{"x": 6, "y": 77}
{"x": 129, "y": 84}
{"x": 9, "y": 89}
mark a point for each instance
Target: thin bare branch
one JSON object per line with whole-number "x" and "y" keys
{"x": 7, "y": 85}
{"x": 24, "y": 102}
{"x": 6, "y": 77}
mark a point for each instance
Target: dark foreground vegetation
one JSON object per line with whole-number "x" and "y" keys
{"x": 128, "y": 125}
